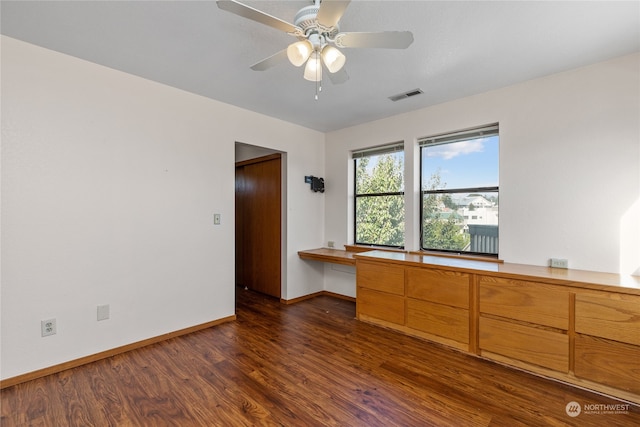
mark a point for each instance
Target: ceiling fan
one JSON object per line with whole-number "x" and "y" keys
{"x": 319, "y": 37}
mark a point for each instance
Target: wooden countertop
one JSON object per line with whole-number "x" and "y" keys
{"x": 569, "y": 277}
{"x": 334, "y": 256}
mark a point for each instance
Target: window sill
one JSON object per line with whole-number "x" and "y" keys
{"x": 458, "y": 256}
{"x": 367, "y": 248}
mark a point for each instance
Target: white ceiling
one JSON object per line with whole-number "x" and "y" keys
{"x": 461, "y": 48}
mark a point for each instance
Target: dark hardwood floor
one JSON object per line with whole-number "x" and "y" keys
{"x": 307, "y": 364}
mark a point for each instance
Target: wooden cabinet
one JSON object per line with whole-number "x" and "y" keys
{"x": 607, "y": 343}
{"x": 609, "y": 315}
{"x": 526, "y": 321}
{"x": 438, "y": 303}
{"x": 432, "y": 304}
{"x": 439, "y": 286}
{"x": 380, "y": 292}
{"x": 526, "y": 301}
{"x": 437, "y": 319}
{"x": 525, "y": 343}
{"x": 388, "y": 279}
{"x": 575, "y": 326}
{"x": 380, "y": 305}
{"x": 612, "y": 363}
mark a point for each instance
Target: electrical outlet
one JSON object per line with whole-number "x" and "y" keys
{"x": 331, "y": 243}
{"x": 48, "y": 327}
{"x": 558, "y": 263}
{"x": 103, "y": 312}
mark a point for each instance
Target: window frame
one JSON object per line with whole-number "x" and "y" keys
{"x": 397, "y": 147}
{"x": 450, "y": 138}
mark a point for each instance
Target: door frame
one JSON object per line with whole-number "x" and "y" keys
{"x": 246, "y": 152}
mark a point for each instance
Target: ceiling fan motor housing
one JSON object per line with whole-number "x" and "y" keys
{"x": 306, "y": 19}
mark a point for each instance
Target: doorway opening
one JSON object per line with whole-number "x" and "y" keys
{"x": 260, "y": 196}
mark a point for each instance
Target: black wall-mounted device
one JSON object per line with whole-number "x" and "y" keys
{"x": 317, "y": 184}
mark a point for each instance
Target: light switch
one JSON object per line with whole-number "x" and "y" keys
{"x": 216, "y": 219}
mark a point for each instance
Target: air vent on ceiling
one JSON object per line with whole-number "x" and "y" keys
{"x": 405, "y": 95}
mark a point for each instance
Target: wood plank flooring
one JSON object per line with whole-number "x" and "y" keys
{"x": 307, "y": 364}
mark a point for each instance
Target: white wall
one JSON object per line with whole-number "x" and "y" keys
{"x": 569, "y": 166}
{"x": 109, "y": 185}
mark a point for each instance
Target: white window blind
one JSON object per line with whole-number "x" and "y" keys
{"x": 379, "y": 150}
{"x": 463, "y": 135}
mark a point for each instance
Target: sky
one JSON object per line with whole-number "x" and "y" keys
{"x": 472, "y": 163}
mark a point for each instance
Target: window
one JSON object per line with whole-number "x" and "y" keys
{"x": 379, "y": 196}
{"x": 459, "y": 191}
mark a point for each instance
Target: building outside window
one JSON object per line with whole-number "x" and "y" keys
{"x": 379, "y": 196}
{"x": 459, "y": 191}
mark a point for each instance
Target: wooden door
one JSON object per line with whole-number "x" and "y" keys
{"x": 258, "y": 224}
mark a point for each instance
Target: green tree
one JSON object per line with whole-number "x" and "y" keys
{"x": 441, "y": 230}
{"x": 448, "y": 202}
{"x": 380, "y": 219}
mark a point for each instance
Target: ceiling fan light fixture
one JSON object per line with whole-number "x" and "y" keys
{"x": 333, "y": 58}
{"x": 313, "y": 70}
{"x": 299, "y": 52}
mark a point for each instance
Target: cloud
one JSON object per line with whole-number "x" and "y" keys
{"x": 449, "y": 151}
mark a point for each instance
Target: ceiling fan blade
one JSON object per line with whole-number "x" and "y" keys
{"x": 339, "y": 76}
{"x": 386, "y": 39}
{"x": 271, "y": 61}
{"x": 331, "y": 11}
{"x": 254, "y": 14}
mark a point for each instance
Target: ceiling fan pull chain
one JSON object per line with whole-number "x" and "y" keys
{"x": 318, "y": 77}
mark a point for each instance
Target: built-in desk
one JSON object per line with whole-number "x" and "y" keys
{"x": 339, "y": 256}
{"x": 577, "y": 326}
{"x": 334, "y": 256}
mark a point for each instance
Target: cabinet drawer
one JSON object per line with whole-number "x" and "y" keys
{"x": 385, "y": 278}
{"x": 439, "y": 286}
{"x": 609, "y": 316}
{"x": 380, "y": 305}
{"x": 526, "y": 301}
{"x": 532, "y": 345}
{"x": 437, "y": 319}
{"x": 608, "y": 362}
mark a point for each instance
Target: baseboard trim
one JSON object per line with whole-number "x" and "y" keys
{"x": 10, "y": 382}
{"x": 316, "y": 294}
